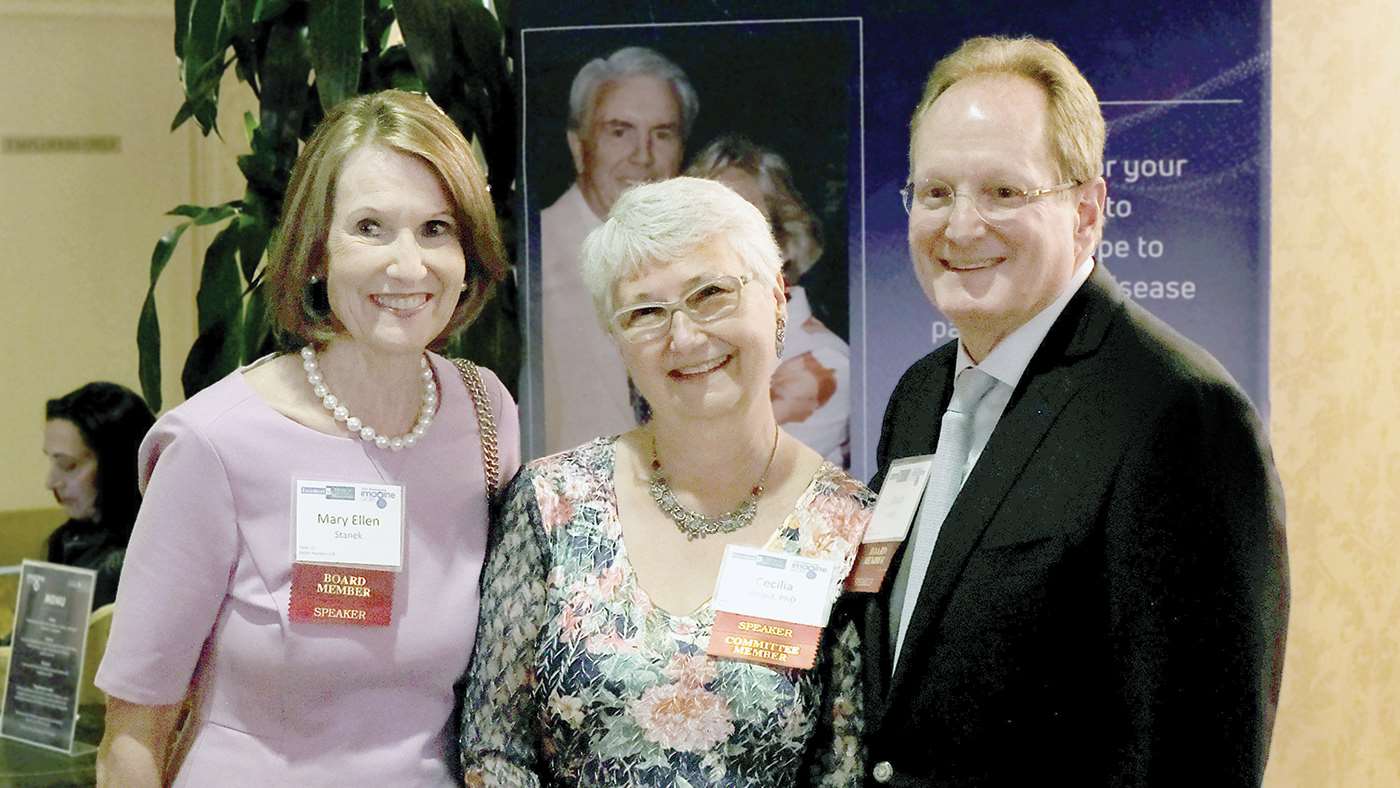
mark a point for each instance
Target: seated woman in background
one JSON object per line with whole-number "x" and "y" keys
{"x": 303, "y": 574}
{"x": 811, "y": 388}
{"x": 596, "y": 615}
{"x": 91, "y": 436}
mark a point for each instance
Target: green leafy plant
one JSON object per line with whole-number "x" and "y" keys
{"x": 300, "y": 58}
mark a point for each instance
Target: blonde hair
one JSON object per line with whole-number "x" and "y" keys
{"x": 795, "y": 227}
{"x": 405, "y": 122}
{"x": 1075, "y": 123}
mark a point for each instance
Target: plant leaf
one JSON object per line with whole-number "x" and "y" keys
{"x": 264, "y": 10}
{"x": 238, "y": 19}
{"x": 505, "y": 14}
{"x": 336, "y": 28}
{"x": 250, "y": 125}
{"x": 285, "y": 70}
{"x": 148, "y": 351}
{"x": 217, "y": 213}
{"x": 203, "y": 363}
{"x": 479, "y": 33}
{"x": 256, "y": 325}
{"x": 429, "y": 42}
{"x": 245, "y": 52}
{"x": 220, "y": 307}
{"x": 220, "y": 285}
{"x": 182, "y": 26}
{"x": 203, "y": 215}
{"x": 202, "y": 48}
{"x": 186, "y": 112}
{"x": 378, "y": 22}
{"x": 148, "y": 325}
{"x": 253, "y": 232}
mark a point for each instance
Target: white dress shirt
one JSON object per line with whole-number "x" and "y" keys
{"x": 1008, "y": 361}
{"x": 585, "y": 382}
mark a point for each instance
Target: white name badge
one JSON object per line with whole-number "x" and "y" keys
{"x": 777, "y": 586}
{"x": 889, "y": 523}
{"x": 900, "y": 494}
{"x": 770, "y": 608}
{"x": 348, "y": 524}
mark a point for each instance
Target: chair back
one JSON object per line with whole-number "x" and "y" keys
{"x": 99, "y": 627}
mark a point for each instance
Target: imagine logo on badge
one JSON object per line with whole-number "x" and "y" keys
{"x": 381, "y": 497}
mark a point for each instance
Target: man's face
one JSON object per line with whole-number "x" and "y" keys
{"x": 983, "y": 133}
{"x": 633, "y": 136}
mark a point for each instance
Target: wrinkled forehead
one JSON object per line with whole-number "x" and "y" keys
{"x": 640, "y": 100}
{"x": 668, "y": 279}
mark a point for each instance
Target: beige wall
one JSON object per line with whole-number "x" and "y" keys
{"x": 78, "y": 228}
{"x": 78, "y": 232}
{"x": 1336, "y": 386}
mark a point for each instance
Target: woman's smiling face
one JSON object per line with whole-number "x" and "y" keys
{"x": 396, "y": 263}
{"x": 702, "y": 369}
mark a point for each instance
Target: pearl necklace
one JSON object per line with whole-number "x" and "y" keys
{"x": 365, "y": 432}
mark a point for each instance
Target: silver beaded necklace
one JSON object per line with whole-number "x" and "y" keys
{"x": 695, "y": 525}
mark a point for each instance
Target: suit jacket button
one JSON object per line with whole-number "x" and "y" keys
{"x": 882, "y": 772}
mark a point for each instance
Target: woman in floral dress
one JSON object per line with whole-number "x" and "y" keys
{"x": 591, "y": 667}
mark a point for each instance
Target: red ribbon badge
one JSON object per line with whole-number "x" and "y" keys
{"x": 781, "y": 644}
{"x": 335, "y": 595}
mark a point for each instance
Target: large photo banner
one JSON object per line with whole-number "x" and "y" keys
{"x": 829, "y": 88}
{"x": 769, "y": 106}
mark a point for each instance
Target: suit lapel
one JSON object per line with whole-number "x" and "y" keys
{"x": 915, "y": 423}
{"x": 1055, "y": 374}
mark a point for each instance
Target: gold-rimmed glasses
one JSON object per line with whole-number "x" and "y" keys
{"x": 708, "y": 301}
{"x": 994, "y": 202}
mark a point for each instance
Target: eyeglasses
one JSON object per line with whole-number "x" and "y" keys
{"x": 706, "y": 302}
{"x": 994, "y": 203}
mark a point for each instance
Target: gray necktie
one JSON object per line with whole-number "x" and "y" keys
{"x": 945, "y": 479}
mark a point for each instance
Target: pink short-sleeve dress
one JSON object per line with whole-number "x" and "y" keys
{"x": 203, "y": 600}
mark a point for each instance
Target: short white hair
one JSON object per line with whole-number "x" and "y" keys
{"x": 628, "y": 62}
{"x": 659, "y": 223}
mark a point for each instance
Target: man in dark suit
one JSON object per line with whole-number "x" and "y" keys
{"x": 1102, "y": 593}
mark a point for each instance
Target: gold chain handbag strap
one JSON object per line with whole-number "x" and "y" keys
{"x": 490, "y": 459}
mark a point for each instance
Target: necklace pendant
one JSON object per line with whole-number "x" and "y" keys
{"x": 695, "y": 525}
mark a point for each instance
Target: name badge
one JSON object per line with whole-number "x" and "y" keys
{"x": 889, "y": 524}
{"x": 349, "y": 524}
{"x": 771, "y": 607}
{"x": 347, "y": 544}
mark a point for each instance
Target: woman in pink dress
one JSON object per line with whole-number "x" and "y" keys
{"x": 300, "y": 593}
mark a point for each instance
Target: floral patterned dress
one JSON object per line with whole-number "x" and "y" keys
{"x": 579, "y": 679}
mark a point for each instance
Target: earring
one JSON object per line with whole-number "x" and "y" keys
{"x": 464, "y": 287}
{"x": 315, "y": 302}
{"x": 781, "y": 335}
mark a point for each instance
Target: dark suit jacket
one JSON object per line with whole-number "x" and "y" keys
{"x": 1106, "y": 601}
